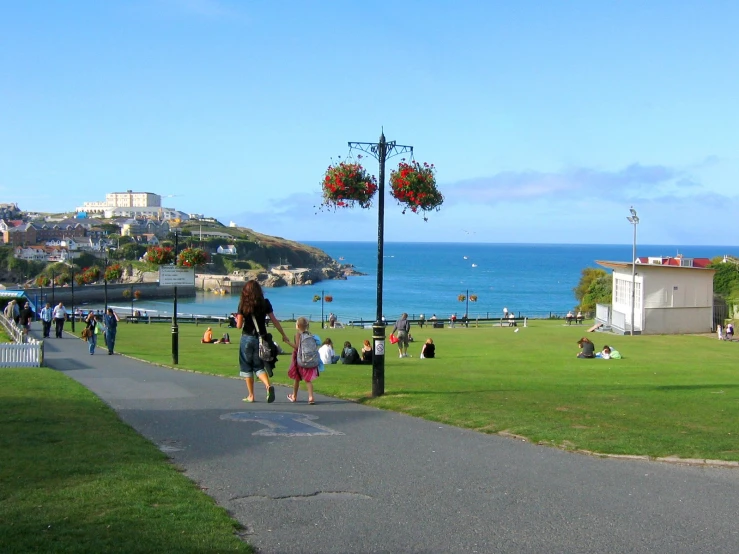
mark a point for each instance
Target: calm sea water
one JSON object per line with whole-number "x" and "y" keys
{"x": 528, "y": 279}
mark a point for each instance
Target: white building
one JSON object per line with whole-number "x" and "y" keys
{"x": 136, "y": 203}
{"x": 671, "y": 296}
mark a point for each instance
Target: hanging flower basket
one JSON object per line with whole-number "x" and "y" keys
{"x": 461, "y": 298}
{"x": 473, "y": 298}
{"x": 414, "y": 185}
{"x": 191, "y": 257}
{"x": 126, "y": 293}
{"x": 328, "y": 298}
{"x": 137, "y": 294}
{"x": 317, "y": 298}
{"x": 159, "y": 255}
{"x": 346, "y": 184}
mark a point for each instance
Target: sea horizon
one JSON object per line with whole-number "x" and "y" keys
{"x": 534, "y": 280}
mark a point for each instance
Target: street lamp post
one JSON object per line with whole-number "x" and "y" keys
{"x": 105, "y": 282}
{"x": 53, "y": 277}
{"x": 72, "y": 271}
{"x": 322, "y": 297}
{"x": 175, "y": 327}
{"x": 381, "y": 151}
{"x": 634, "y": 220}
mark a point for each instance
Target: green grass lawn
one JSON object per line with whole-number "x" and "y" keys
{"x": 669, "y": 395}
{"x": 74, "y": 478}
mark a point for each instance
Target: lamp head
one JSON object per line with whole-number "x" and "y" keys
{"x": 633, "y": 211}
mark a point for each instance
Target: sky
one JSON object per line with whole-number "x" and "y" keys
{"x": 546, "y": 121}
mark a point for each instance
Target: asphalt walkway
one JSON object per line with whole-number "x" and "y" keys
{"x": 339, "y": 477}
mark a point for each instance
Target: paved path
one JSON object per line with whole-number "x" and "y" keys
{"x": 341, "y": 477}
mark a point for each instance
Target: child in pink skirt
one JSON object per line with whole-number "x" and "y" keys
{"x": 296, "y": 372}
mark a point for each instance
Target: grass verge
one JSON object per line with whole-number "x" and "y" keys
{"x": 74, "y": 478}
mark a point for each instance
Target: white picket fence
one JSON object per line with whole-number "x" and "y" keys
{"x": 24, "y": 352}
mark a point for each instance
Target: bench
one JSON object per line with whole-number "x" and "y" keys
{"x": 577, "y": 320}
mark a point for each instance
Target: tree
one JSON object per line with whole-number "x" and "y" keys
{"x": 587, "y": 276}
{"x": 600, "y": 291}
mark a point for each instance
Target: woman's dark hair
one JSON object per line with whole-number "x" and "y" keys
{"x": 347, "y": 344}
{"x": 583, "y": 341}
{"x": 328, "y": 341}
{"x": 251, "y": 297}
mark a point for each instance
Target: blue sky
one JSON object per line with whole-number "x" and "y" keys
{"x": 545, "y": 120}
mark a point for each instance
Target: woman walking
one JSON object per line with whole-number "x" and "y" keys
{"x": 401, "y": 330}
{"x": 253, "y": 309}
{"x": 92, "y": 332}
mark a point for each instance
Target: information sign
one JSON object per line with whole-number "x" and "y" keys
{"x": 175, "y": 276}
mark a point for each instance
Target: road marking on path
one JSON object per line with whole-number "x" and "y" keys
{"x": 284, "y": 424}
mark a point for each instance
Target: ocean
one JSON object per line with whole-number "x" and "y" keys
{"x": 533, "y": 280}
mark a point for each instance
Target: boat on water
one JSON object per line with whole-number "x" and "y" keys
{"x": 465, "y": 257}
{"x": 474, "y": 265}
{"x": 341, "y": 258}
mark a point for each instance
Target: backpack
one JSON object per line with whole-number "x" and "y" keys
{"x": 308, "y": 351}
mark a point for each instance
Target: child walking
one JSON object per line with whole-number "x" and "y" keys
{"x": 305, "y": 360}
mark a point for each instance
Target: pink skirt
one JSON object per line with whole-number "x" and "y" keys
{"x": 298, "y": 373}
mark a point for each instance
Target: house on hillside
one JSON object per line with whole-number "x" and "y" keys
{"x": 228, "y": 250}
{"x": 671, "y": 296}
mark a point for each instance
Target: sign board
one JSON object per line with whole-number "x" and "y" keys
{"x": 175, "y": 276}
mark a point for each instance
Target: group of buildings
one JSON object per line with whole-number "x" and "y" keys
{"x": 139, "y": 215}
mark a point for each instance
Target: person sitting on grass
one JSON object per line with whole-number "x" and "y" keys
{"x": 604, "y": 354}
{"x": 429, "y": 349}
{"x": 225, "y": 339}
{"x": 366, "y": 352}
{"x": 350, "y": 355}
{"x": 326, "y": 352}
{"x": 208, "y": 337}
{"x": 587, "y": 348}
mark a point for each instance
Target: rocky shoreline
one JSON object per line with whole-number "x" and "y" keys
{"x": 279, "y": 276}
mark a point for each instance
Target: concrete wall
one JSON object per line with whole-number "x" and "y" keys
{"x": 678, "y": 320}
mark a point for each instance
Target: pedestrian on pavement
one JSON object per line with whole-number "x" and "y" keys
{"x": 110, "y": 319}
{"x": 46, "y": 316}
{"x": 253, "y": 310}
{"x": 16, "y": 312}
{"x": 26, "y": 317}
{"x": 93, "y": 329}
{"x": 59, "y": 315}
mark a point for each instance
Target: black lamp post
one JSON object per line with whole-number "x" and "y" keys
{"x": 105, "y": 282}
{"x": 322, "y": 309}
{"x": 175, "y": 327}
{"x": 381, "y": 151}
{"x": 53, "y": 277}
{"x": 72, "y": 271}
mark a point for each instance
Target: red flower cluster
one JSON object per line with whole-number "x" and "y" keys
{"x": 191, "y": 257}
{"x": 159, "y": 256}
{"x": 414, "y": 185}
{"x": 347, "y": 183}
{"x": 113, "y": 272}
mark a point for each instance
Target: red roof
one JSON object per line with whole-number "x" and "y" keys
{"x": 677, "y": 261}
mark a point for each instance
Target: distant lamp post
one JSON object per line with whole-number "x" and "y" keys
{"x": 634, "y": 220}
{"x": 71, "y": 269}
{"x": 105, "y": 282}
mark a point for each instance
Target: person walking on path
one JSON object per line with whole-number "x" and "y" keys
{"x": 26, "y": 317}
{"x": 59, "y": 315}
{"x": 401, "y": 329}
{"x": 16, "y": 312}
{"x": 46, "y": 316}
{"x": 110, "y": 319}
{"x": 93, "y": 328}
{"x": 253, "y": 309}
{"x": 298, "y": 371}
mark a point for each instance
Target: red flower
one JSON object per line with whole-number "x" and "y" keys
{"x": 347, "y": 183}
